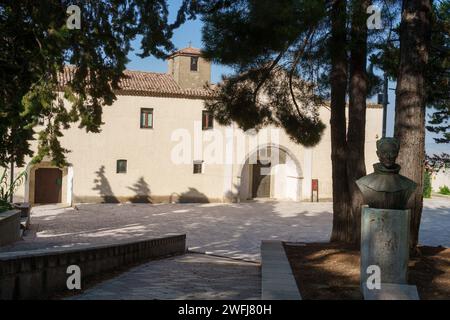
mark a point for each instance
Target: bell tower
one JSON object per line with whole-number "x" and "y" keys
{"x": 189, "y": 68}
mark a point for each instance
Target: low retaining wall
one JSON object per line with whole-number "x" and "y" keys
{"x": 39, "y": 274}
{"x": 9, "y": 227}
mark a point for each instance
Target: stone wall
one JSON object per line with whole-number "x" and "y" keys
{"x": 39, "y": 274}
{"x": 9, "y": 227}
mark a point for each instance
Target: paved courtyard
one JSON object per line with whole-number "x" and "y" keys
{"x": 224, "y": 231}
{"x": 192, "y": 276}
{"x": 230, "y": 230}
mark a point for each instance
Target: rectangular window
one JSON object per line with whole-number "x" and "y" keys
{"x": 41, "y": 120}
{"x": 121, "y": 166}
{"x": 198, "y": 167}
{"x": 207, "y": 120}
{"x": 146, "y": 118}
{"x": 194, "y": 63}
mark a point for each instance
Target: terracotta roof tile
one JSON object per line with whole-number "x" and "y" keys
{"x": 153, "y": 84}
{"x": 147, "y": 84}
{"x": 187, "y": 51}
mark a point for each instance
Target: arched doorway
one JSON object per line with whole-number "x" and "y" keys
{"x": 276, "y": 174}
{"x": 48, "y": 185}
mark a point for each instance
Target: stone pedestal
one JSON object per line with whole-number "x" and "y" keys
{"x": 385, "y": 243}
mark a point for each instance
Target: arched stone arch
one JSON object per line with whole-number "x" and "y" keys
{"x": 66, "y": 182}
{"x": 285, "y": 176}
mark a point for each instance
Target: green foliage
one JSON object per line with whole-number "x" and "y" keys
{"x": 36, "y": 46}
{"x": 7, "y": 189}
{"x": 427, "y": 185}
{"x": 438, "y": 74}
{"x": 437, "y": 162}
{"x": 238, "y": 102}
{"x": 444, "y": 190}
{"x": 248, "y": 32}
{"x": 269, "y": 44}
{"x": 438, "y": 69}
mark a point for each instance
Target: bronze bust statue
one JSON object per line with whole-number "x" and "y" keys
{"x": 385, "y": 188}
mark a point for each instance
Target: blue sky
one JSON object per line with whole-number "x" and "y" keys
{"x": 190, "y": 32}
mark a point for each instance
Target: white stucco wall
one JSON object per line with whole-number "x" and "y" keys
{"x": 440, "y": 179}
{"x": 152, "y": 172}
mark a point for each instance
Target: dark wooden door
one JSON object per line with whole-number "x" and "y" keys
{"x": 261, "y": 180}
{"x": 47, "y": 187}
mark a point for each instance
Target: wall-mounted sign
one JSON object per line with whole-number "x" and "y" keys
{"x": 315, "y": 190}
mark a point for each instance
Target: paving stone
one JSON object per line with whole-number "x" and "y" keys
{"x": 232, "y": 230}
{"x": 183, "y": 277}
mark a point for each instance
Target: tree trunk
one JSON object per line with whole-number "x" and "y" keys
{"x": 415, "y": 32}
{"x": 356, "y": 166}
{"x": 342, "y": 223}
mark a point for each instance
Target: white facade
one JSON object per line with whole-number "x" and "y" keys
{"x": 160, "y": 160}
{"x": 154, "y": 173}
{"x": 440, "y": 179}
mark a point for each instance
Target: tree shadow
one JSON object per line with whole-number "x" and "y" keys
{"x": 142, "y": 192}
{"x": 429, "y": 270}
{"x": 103, "y": 187}
{"x": 325, "y": 271}
{"x": 193, "y": 196}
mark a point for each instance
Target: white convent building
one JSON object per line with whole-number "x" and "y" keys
{"x": 159, "y": 145}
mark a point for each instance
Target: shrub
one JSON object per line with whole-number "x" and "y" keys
{"x": 444, "y": 190}
{"x": 6, "y": 190}
{"x": 427, "y": 185}
{"x": 4, "y": 206}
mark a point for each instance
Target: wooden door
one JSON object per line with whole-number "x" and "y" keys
{"x": 48, "y": 185}
{"x": 261, "y": 180}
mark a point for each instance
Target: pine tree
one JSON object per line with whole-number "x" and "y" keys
{"x": 438, "y": 73}
{"x": 304, "y": 47}
{"x": 36, "y": 44}
{"x": 418, "y": 57}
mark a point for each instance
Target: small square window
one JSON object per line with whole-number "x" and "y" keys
{"x": 41, "y": 121}
{"x": 121, "y": 166}
{"x": 146, "y": 118}
{"x": 207, "y": 120}
{"x": 194, "y": 63}
{"x": 198, "y": 167}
